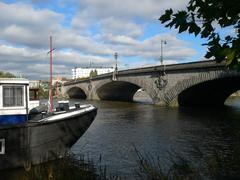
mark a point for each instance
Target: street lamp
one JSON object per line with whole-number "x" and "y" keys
{"x": 116, "y": 56}
{"x": 114, "y": 77}
{"x": 162, "y": 42}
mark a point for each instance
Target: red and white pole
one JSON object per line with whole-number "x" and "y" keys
{"x": 50, "y": 88}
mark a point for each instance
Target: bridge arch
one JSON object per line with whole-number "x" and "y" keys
{"x": 76, "y": 93}
{"x": 210, "y": 93}
{"x": 205, "y": 90}
{"x": 117, "y": 91}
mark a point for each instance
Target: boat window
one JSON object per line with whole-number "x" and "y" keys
{"x": 2, "y": 146}
{"x": 12, "y": 96}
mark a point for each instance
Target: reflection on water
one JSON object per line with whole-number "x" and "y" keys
{"x": 233, "y": 102}
{"x": 119, "y": 127}
{"x": 142, "y": 97}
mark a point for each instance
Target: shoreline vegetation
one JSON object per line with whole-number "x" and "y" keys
{"x": 70, "y": 167}
{"x": 6, "y": 75}
{"x": 216, "y": 165}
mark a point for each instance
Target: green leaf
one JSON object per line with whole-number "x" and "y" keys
{"x": 193, "y": 28}
{"x": 228, "y": 38}
{"x": 181, "y": 17}
{"x": 199, "y": 17}
{"x": 208, "y": 55}
{"x": 167, "y": 16}
{"x": 230, "y": 56}
{"x": 171, "y": 24}
{"x": 183, "y": 27}
{"x": 208, "y": 29}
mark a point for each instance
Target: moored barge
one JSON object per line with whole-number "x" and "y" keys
{"x": 29, "y": 135}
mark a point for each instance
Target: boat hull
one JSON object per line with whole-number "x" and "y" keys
{"x": 38, "y": 142}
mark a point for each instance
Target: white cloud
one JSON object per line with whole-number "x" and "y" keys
{"x": 118, "y": 39}
{"x": 121, "y": 17}
{"x": 22, "y": 24}
{"x": 150, "y": 48}
{"x": 96, "y": 31}
{"x": 148, "y": 9}
{"x": 75, "y": 58}
{"x": 18, "y": 55}
{"x": 67, "y": 39}
{"x": 36, "y": 61}
{"x": 120, "y": 27}
{"x": 25, "y": 15}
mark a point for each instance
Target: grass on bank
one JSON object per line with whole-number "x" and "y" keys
{"x": 216, "y": 166}
{"x": 71, "y": 167}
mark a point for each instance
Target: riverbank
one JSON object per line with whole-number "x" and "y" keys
{"x": 218, "y": 165}
{"x": 70, "y": 167}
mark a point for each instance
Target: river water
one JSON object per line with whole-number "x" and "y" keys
{"x": 120, "y": 127}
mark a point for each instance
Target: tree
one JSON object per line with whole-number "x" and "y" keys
{"x": 57, "y": 88}
{"x": 205, "y": 18}
{"x": 43, "y": 94}
{"x": 93, "y": 73}
{"x": 6, "y": 75}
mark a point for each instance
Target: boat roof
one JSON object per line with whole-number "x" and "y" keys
{"x": 14, "y": 81}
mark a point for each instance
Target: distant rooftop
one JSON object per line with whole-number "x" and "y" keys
{"x": 14, "y": 80}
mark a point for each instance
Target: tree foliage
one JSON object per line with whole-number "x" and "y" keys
{"x": 206, "y": 18}
{"x": 57, "y": 88}
{"x": 43, "y": 94}
{"x": 6, "y": 75}
{"x": 93, "y": 73}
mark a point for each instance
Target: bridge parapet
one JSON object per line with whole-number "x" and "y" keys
{"x": 181, "y": 80}
{"x": 191, "y": 66}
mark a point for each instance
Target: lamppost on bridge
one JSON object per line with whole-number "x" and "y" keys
{"x": 126, "y": 65}
{"x": 90, "y": 65}
{"x": 162, "y": 42}
{"x": 114, "y": 78}
{"x": 116, "y": 56}
{"x": 162, "y": 81}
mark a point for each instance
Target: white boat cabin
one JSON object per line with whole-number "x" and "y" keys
{"x": 15, "y": 101}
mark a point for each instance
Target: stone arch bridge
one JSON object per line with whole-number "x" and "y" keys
{"x": 204, "y": 83}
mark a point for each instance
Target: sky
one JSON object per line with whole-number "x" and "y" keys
{"x": 87, "y": 31}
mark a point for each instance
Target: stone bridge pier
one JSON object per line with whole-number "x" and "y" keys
{"x": 204, "y": 83}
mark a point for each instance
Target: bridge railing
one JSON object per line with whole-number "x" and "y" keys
{"x": 208, "y": 64}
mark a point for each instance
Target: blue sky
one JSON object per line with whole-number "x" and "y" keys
{"x": 89, "y": 30}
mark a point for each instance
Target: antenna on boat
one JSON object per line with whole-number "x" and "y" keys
{"x": 50, "y": 84}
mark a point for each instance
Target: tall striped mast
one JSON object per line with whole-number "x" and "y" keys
{"x": 50, "y": 84}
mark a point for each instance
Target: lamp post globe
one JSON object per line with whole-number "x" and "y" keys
{"x": 116, "y": 56}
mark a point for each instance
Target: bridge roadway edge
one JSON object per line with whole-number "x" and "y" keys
{"x": 179, "y": 78}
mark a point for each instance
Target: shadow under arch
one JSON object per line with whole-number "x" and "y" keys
{"x": 209, "y": 93}
{"x": 117, "y": 91}
{"x": 76, "y": 93}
